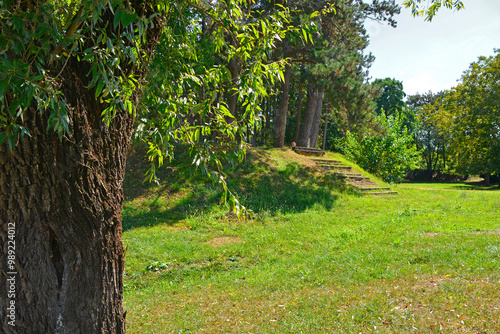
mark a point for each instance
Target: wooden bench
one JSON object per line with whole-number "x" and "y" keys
{"x": 308, "y": 151}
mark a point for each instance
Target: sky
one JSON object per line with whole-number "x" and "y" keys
{"x": 433, "y": 55}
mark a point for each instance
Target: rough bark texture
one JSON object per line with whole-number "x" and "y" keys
{"x": 280, "y": 124}
{"x": 65, "y": 199}
{"x": 305, "y": 129}
{"x": 325, "y": 129}
{"x": 316, "y": 121}
{"x": 299, "y": 111}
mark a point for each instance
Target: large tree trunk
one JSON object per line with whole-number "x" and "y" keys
{"x": 317, "y": 120}
{"x": 305, "y": 129}
{"x": 299, "y": 111}
{"x": 64, "y": 201}
{"x": 60, "y": 214}
{"x": 280, "y": 124}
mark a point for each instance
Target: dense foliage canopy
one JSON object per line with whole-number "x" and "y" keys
{"x": 469, "y": 119}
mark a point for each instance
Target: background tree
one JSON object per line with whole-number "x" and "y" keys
{"x": 470, "y": 119}
{"x": 333, "y": 67}
{"x": 390, "y": 155}
{"x": 428, "y": 139}
{"x": 390, "y": 101}
{"x": 391, "y": 97}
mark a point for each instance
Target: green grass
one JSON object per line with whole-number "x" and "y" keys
{"x": 317, "y": 258}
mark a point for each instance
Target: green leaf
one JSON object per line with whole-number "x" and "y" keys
{"x": 225, "y": 111}
{"x": 117, "y": 18}
{"x": 127, "y": 18}
{"x": 11, "y": 141}
{"x": 282, "y": 76}
{"x": 304, "y": 35}
{"x": 98, "y": 90}
{"x": 3, "y": 137}
{"x": 264, "y": 30}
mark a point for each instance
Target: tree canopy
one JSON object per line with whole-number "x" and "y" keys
{"x": 469, "y": 118}
{"x": 391, "y": 98}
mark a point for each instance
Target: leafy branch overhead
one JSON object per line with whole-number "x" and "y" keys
{"x": 104, "y": 47}
{"x": 107, "y": 39}
{"x": 429, "y": 8}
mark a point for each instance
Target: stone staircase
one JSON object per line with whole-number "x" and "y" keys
{"x": 362, "y": 183}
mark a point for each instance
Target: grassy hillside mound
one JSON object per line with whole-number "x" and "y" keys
{"x": 268, "y": 181}
{"x": 317, "y": 258}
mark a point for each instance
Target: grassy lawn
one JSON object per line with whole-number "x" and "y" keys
{"x": 317, "y": 258}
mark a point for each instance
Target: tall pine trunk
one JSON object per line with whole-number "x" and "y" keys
{"x": 299, "y": 112}
{"x": 234, "y": 68}
{"x": 317, "y": 120}
{"x": 311, "y": 108}
{"x": 280, "y": 124}
{"x": 325, "y": 129}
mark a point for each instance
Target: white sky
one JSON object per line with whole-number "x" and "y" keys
{"x": 433, "y": 55}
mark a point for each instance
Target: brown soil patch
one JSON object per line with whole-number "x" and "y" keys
{"x": 431, "y": 234}
{"x": 221, "y": 241}
{"x": 486, "y": 232}
{"x": 431, "y": 283}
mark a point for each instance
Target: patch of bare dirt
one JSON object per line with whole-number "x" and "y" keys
{"x": 486, "y": 232}
{"x": 431, "y": 234}
{"x": 221, "y": 241}
{"x": 431, "y": 283}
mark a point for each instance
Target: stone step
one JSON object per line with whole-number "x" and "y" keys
{"x": 357, "y": 180}
{"x": 381, "y": 193}
{"x": 373, "y": 188}
{"x": 339, "y": 167}
{"x": 327, "y": 161}
{"x": 353, "y": 177}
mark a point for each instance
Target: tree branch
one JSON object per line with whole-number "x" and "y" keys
{"x": 71, "y": 30}
{"x": 221, "y": 24}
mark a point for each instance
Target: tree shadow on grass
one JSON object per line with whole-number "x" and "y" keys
{"x": 461, "y": 185}
{"x": 290, "y": 190}
{"x": 477, "y": 186}
{"x": 256, "y": 183}
{"x": 199, "y": 200}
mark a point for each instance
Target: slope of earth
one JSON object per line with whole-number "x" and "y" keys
{"x": 317, "y": 257}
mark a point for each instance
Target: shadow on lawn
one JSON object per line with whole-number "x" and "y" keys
{"x": 293, "y": 189}
{"x": 256, "y": 183}
{"x": 456, "y": 185}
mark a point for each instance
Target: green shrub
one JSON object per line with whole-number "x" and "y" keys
{"x": 390, "y": 155}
